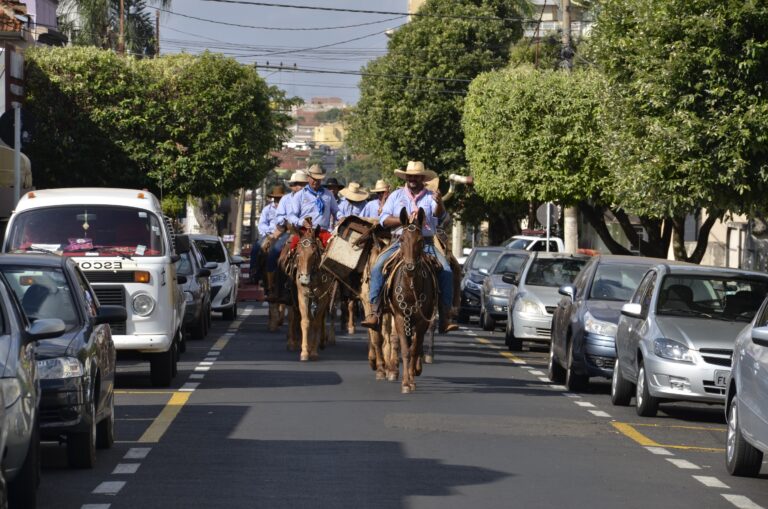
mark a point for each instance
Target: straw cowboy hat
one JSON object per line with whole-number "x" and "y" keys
{"x": 316, "y": 172}
{"x": 353, "y": 192}
{"x": 380, "y": 187}
{"x": 416, "y": 168}
{"x": 277, "y": 192}
{"x": 298, "y": 177}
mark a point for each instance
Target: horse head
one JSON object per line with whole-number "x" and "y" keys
{"x": 411, "y": 240}
{"x": 308, "y": 253}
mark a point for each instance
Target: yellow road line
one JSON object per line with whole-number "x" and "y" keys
{"x": 628, "y": 430}
{"x": 220, "y": 344}
{"x": 163, "y": 421}
{"x": 504, "y": 354}
{"x": 694, "y": 428}
{"x": 144, "y": 392}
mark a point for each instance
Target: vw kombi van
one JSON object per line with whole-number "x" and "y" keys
{"x": 123, "y": 244}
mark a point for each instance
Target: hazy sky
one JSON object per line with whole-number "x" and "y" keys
{"x": 248, "y": 45}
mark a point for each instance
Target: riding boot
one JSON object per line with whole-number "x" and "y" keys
{"x": 271, "y": 294}
{"x": 446, "y": 324}
{"x": 374, "y": 317}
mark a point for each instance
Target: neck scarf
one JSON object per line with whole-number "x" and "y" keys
{"x": 415, "y": 199}
{"x": 318, "y": 198}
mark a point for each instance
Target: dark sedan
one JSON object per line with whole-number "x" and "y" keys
{"x": 584, "y": 322}
{"x": 476, "y": 267}
{"x": 197, "y": 288}
{"x": 77, "y": 368}
{"x": 495, "y": 292}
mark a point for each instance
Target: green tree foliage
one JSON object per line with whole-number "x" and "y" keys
{"x": 332, "y": 115}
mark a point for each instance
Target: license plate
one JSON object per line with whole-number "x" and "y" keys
{"x": 721, "y": 377}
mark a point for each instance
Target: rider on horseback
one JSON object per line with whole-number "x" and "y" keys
{"x": 412, "y": 197}
{"x": 375, "y": 207}
{"x": 353, "y": 200}
{"x": 315, "y": 203}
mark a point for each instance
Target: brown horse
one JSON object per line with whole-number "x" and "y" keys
{"x": 314, "y": 289}
{"x": 411, "y": 296}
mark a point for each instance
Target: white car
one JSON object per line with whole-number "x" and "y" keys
{"x": 535, "y": 243}
{"x": 747, "y": 399}
{"x": 224, "y": 278}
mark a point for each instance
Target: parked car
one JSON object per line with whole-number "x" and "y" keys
{"x": 493, "y": 298}
{"x": 675, "y": 337}
{"x": 225, "y": 278}
{"x": 584, "y": 322}
{"x": 533, "y": 296}
{"x": 19, "y": 386}
{"x": 124, "y": 245}
{"x": 476, "y": 267}
{"x": 746, "y": 409}
{"x": 197, "y": 288}
{"x": 77, "y": 368}
{"x": 534, "y": 243}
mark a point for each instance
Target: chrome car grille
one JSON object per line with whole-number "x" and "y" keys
{"x": 718, "y": 357}
{"x": 711, "y": 388}
{"x": 543, "y": 333}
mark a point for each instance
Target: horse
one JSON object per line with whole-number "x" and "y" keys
{"x": 314, "y": 290}
{"x": 411, "y": 296}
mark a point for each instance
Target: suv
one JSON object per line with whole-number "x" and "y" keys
{"x": 225, "y": 277}
{"x": 534, "y": 243}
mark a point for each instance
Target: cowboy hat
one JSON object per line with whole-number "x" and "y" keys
{"x": 277, "y": 192}
{"x": 298, "y": 177}
{"x": 316, "y": 172}
{"x": 380, "y": 187}
{"x": 416, "y": 168}
{"x": 332, "y": 182}
{"x": 353, "y": 192}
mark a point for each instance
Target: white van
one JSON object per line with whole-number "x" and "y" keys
{"x": 124, "y": 245}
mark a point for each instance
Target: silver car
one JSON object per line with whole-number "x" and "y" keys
{"x": 494, "y": 293}
{"x": 676, "y": 335}
{"x": 534, "y": 295}
{"x": 747, "y": 399}
{"x": 225, "y": 278}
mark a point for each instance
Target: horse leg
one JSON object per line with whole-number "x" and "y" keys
{"x": 280, "y": 314}
{"x": 405, "y": 352}
{"x": 316, "y": 331}
{"x": 351, "y": 316}
{"x": 429, "y": 343}
{"x": 331, "y": 335}
{"x": 303, "y": 312}
{"x": 391, "y": 348}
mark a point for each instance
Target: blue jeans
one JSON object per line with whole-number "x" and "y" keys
{"x": 444, "y": 277}
{"x": 274, "y": 252}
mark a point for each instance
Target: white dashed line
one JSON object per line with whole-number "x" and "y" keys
{"x": 711, "y": 482}
{"x": 570, "y": 395}
{"x": 202, "y": 368}
{"x": 741, "y": 501}
{"x": 526, "y": 367}
{"x": 214, "y": 352}
{"x": 137, "y": 453}
{"x": 189, "y": 387}
{"x": 600, "y": 413}
{"x": 210, "y": 359}
{"x": 560, "y": 387}
{"x": 585, "y": 404}
{"x": 544, "y": 379}
{"x": 659, "y": 451}
{"x": 95, "y": 506}
{"x": 536, "y": 372}
{"x": 684, "y": 464}
{"x": 109, "y": 488}
{"x": 126, "y": 468}
{"x": 197, "y": 376}
{"x": 203, "y": 363}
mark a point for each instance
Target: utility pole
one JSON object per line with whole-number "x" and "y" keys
{"x": 157, "y": 32}
{"x": 121, "y": 35}
{"x": 571, "y": 214}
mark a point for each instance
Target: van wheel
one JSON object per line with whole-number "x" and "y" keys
{"x": 740, "y": 457}
{"x": 161, "y": 367}
{"x": 22, "y": 491}
{"x": 81, "y": 447}
{"x": 621, "y": 389}
{"x": 647, "y": 405}
{"x": 105, "y": 430}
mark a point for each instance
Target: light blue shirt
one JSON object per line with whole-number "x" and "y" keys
{"x": 350, "y": 208}
{"x": 400, "y": 199}
{"x": 304, "y": 205}
{"x": 266, "y": 218}
{"x": 281, "y": 212}
{"x": 371, "y": 209}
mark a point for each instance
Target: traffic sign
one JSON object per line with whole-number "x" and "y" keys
{"x": 554, "y": 214}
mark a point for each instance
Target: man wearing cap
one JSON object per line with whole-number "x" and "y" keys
{"x": 315, "y": 203}
{"x": 334, "y": 187}
{"x": 374, "y": 208}
{"x": 412, "y": 197}
{"x": 265, "y": 228}
{"x": 353, "y": 200}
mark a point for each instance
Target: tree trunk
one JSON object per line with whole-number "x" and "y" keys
{"x": 204, "y": 210}
{"x": 595, "y": 216}
{"x": 701, "y": 243}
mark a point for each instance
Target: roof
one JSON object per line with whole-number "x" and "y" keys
{"x": 33, "y": 260}
{"x": 204, "y": 236}
{"x": 489, "y": 248}
{"x": 555, "y": 254}
{"x": 631, "y": 260}
{"x": 690, "y": 268}
{"x": 91, "y": 196}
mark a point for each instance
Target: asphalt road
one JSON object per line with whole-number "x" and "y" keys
{"x": 248, "y": 425}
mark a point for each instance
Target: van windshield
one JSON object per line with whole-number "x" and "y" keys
{"x": 92, "y": 230}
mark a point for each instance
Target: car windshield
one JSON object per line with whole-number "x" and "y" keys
{"x": 43, "y": 293}
{"x": 724, "y": 298}
{"x": 510, "y": 263}
{"x": 518, "y": 243}
{"x": 616, "y": 282}
{"x": 553, "y": 272}
{"x": 484, "y": 260}
{"x": 184, "y": 267}
{"x": 212, "y": 250}
{"x": 93, "y": 230}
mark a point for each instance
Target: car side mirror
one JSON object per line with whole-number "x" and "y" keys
{"x": 760, "y": 336}
{"x": 511, "y": 278}
{"x": 182, "y": 280}
{"x": 238, "y": 260}
{"x": 632, "y": 310}
{"x": 45, "y": 328}
{"x": 182, "y": 244}
{"x": 567, "y": 291}
{"x": 203, "y": 273}
{"x": 483, "y": 271}
{"x": 111, "y": 314}
{"x": 211, "y": 265}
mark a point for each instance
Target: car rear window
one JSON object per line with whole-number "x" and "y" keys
{"x": 616, "y": 282}
{"x": 484, "y": 260}
{"x": 212, "y": 250}
{"x": 723, "y": 298}
{"x": 553, "y": 272}
{"x": 510, "y": 263}
{"x": 43, "y": 293}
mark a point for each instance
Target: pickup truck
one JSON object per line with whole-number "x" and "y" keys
{"x": 534, "y": 243}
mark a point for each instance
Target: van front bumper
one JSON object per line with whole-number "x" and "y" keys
{"x": 148, "y": 343}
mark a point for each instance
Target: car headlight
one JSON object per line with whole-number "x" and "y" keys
{"x": 528, "y": 306}
{"x": 473, "y": 286}
{"x": 58, "y": 368}
{"x": 668, "y": 349}
{"x": 500, "y": 292}
{"x": 188, "y": 297}
{"x": 219, "y": 278}
{"x": 143, "y": 304}
{"x": 599, "y": 327}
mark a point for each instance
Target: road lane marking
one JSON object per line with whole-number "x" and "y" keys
{"x": 544, "y": 379}
{"x": 711, "y": 482}
{"x": 143, "y": 392}
{"x": 202, "y": 368}
{"x": 600, "y": 413}
{"x": 507, "y": 355}
{"x": 95, "y": 506}
{"x": 126, "y": 468}
{"x": 571, "y": 395}
{"x": 189, "y": 387}
{"x": 137, "y": 453}
{"x": 560, "y": 387}
{"x": 220, "y": 344}
{"x": 205, "y": 363}
{"x": 585, "y": 404}
{"x": 684, "y": 464}
{"x": 659, "y": 451}
{"x": 215, "y": 354}
{"x": 635, "y": 435}
{"x": 163, "y": 421}
{"x": 694, "y": 428}
{"x": 536, "y": 372}
{"x": 109, "y": 488}
{"x": 210, "y": 359}
{"x": 741, "y": 501}
{"x": 197, "y": 376}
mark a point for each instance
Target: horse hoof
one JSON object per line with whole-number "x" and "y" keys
{"x": 380, "y": 376}
{"x": 351, "y": 331}
{"x": 405, "y": 389}
{"x": 304, "y": 357}
{"x": 412, "y": 387}
{"x": 314, "y": 357}
{"x": 391, "y": 377}
{"x": 428, "y": 359}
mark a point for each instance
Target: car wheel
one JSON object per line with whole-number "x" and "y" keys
{"x": 22, "y": 490}
{"x": 514, "y": 344}
{"x": 463, "y": 317}
{"x": 621, "y": 389}
{"x": 486, "y": 322}
{"x": 81, "y": 447}
{"x": 198, "y": 331}
{"x": 161, "y": 367}
{"x": 105, "y": 430}
{"x": 230, "y": 313}
{"x": 647, "y": 405}
{"x": 176, "y": 354}
{"x": 554, "y": 369}
{"x": 182, "y": 342}
{"x": 574, "y": 381}
{"x": 741, "y": 458}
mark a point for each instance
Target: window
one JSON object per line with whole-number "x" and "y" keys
{"x": 91, "y": 302}
{"x": 212, "y": 250}
{"x": 484, "y": 260}
{"x": 44, "y": 293}
{"x": 184, "y": 267}
{"x": 510, "y": 263}
{"x": 616, "y": 282}
{"x": 553, "y": 272}
{"x": 708, "y": 296}
{"x": 648, "y": 294}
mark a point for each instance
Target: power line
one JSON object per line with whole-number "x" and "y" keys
{"x": 360, "y": 73}
{"x": 318, "y": 47}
